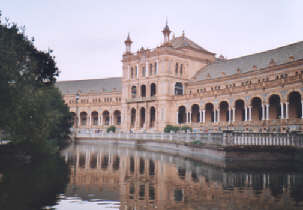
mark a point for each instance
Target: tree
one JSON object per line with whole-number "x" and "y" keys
{"x": 33, "y": 112}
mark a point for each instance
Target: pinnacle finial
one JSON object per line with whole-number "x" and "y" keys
{"x": 128, "y": 43}
{"x": 166, "y": 31}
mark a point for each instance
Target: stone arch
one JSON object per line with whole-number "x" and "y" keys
{"x": 239, "y": 110}
{"x": 152, "y": 118}
{"x": 117, "y": 117}
{"x": 153, "y": 89}
{"x": 143, "y": 90}
{"x": 95, "y": 118}
{"x": 195, "y": 113}
{"x": 271, "y": 94}
{"x": 133, "y": 117}
{"x": 209, "y": 112}
{"x": 105, "y": 117}
{"x": 142, "y": 117}
{"x": 83, "y": 118}
{"x": 274, "y": 102}
{"x": 224, "y": 111}
{"x": 295, "y": 105}
{"x": 256, "y": 108}
{"x": 238, "y": 99}
{"x": 181, "y": 114}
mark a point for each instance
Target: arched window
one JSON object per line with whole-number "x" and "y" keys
{"x": 274, "y": 107}
{"x": 295, "y": 106}
{"x": 176, "y": 69}
{"x": 240, "y": 110}
{"x": 178, "y": 88}
{"x": 152, "y": 89}
{"x": 195, "y": 113}
{"x": 105, "y": 117}
{"x": 209, "y": 112}
{"x": 142, "y": 117}
{"x": 143, "y": 91}
{"x": 152, "y": 117}
{"x": 224, "y": 114}
{"x": 181, "y": 114}
{"x": 83, "y": 118}
{"x": 256, "y": 109}
{"x": 117, "y": 117}
{"x": 95, "y": 118}
{"x": 156, "y": 68}
{"x": 134, "y": 91}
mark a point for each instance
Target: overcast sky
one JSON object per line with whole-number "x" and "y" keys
{"x": 87, "y": 36}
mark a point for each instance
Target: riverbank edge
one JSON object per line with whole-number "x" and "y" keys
{"x": 228, "y": 156}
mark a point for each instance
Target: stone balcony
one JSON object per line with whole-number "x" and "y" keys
{"x": 141, "y": 99}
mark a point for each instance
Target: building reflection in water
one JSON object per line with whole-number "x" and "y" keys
{"x": 147, "y": 180}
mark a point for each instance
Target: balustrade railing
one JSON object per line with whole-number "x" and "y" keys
{"x": 219, "y": 139}
{"x": 263, "y": 139}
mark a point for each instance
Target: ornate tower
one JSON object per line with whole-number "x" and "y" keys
{"x": 166, "y": 31}
{"x": 128, "y": 42}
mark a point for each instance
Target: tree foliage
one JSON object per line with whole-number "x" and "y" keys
{"x": 33, "y": 112}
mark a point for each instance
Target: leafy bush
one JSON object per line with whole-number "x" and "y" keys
{"x": 169, "y": 128}
{"x": 186, "y": 128}
{"x": 111, "y": 128}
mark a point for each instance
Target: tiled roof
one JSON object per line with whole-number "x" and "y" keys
{"x": 90, "y": 85}
{"x": 247, "y": 63}
{"x": 182, "y": 41}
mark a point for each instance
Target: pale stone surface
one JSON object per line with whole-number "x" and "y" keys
{"x": 265, "y": 95}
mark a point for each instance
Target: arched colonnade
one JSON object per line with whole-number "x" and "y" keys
{"x": 95, "y": 118}
{"x": 143, "y": 118}
{"x": 256, "y": 109}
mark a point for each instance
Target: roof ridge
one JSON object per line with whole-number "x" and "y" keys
{"x": 279, "y": 55}
{"x": 76, "y": 80}
{"x": 190, "y": 44}
{"x": 258, "y": 53}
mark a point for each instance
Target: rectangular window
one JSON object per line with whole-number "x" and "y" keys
{"x": 156, "y": 68}
{"x": 143, "y": 71}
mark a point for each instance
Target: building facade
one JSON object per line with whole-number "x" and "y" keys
{"x": 181, "y": 83}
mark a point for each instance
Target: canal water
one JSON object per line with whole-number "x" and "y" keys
{"x": 93, "y": 176}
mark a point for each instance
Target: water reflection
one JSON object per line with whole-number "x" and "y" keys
{"x": 32, "y": 186}
{"x": 147, "y": 180}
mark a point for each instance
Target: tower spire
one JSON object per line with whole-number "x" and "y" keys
{"x": 166, "y": 31}
{"x": 128, "y": 42}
